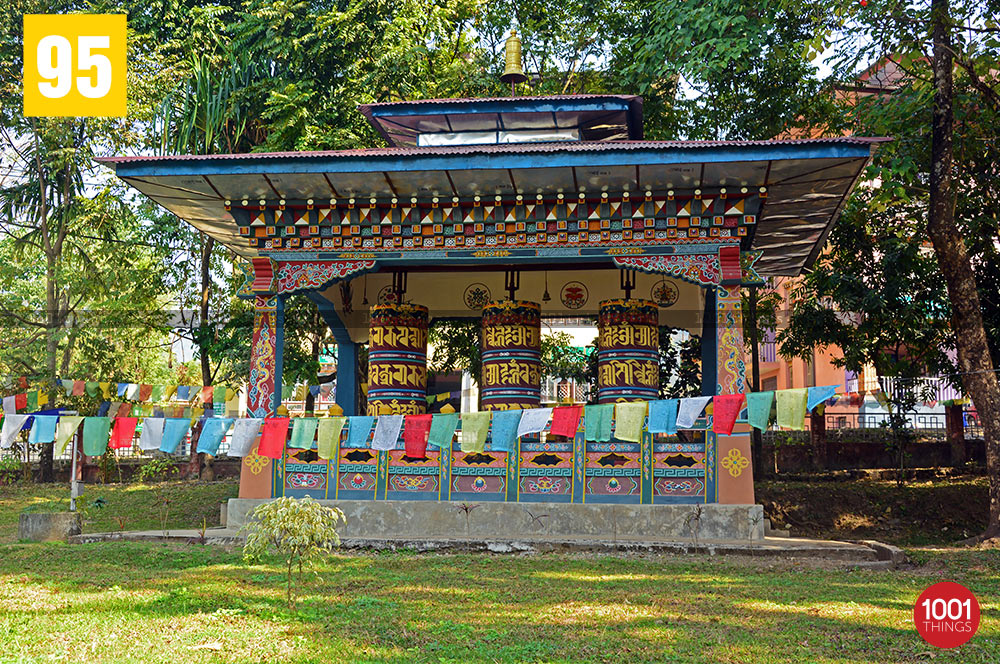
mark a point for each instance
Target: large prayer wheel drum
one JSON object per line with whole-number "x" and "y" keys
{"x": 512, "y": 355}
{"x": 397, "y": 359}
{"x": 628, "y": 351}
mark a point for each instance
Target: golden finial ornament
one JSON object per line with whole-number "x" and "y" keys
{"x": 513, "y": 72}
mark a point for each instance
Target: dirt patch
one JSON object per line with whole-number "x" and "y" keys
{"x": 942, "y": 511}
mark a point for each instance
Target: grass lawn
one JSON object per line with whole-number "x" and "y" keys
{"x": 136, "y": 506}
{"x": 129, "y": 602}
{"x": 151, "y": 602}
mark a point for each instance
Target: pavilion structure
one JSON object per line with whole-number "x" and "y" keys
{"x": 525, "y": 207}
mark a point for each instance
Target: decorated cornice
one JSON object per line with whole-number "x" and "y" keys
{"x": 502, "y": 223}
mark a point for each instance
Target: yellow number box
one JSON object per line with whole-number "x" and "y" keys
{"x": 74, "y": 65}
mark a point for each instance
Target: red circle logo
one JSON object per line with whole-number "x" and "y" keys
{"x": 946, "y": 614}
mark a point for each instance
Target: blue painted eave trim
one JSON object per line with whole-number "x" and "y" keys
{"x": 491, "y": 160}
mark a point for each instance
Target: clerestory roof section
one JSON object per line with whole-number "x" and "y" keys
{"x": 806, "y": 181}
{"x": 507, "y": 119}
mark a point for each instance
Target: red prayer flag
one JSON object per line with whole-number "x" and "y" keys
{"x": 415, "y": 432}
{"x": 21, "y": 401}
{"x": 272, "y": 437}
{"x": 124, "y": 410}
{"x": 145, "y": 391}
{"x": 206, "y": 393}
{"x": 565, "y": 420}
{"x": 122, "y": 434}
{"x": 727, "y": 409}
{"x": 79, "y": 388}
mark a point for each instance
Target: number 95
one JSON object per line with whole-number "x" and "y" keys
{"x": 55, "y": 64}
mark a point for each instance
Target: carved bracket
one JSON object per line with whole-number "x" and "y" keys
{"x": 701, "y": 269}
{"x": 295, "y": 276}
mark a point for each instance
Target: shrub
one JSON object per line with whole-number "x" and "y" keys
{"x": 299, "y": 530}
{"x": 157, "y": 468}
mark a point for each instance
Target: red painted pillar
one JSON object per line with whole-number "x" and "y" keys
{"x": 263, "y": 390}
{"x": 735, "y": 471}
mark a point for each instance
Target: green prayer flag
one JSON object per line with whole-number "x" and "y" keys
{"x": 95, "y": 435}
{"x": 328, "y": 435}
{"x": 156, "y": 395}
{"x": 442, "y": 430}
{"x": 759, "y": 409}
{"x": 303, "y": 432}
{"x": 597, "y": 422}
{"x": 628, "y": 420}
{"x": 92, "y": 388}
{"x": 792, "y": 408}
{"x": 474, "y": 429}
{"x": 32, "y": 404}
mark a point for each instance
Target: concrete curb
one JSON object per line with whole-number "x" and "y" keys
{"x": 182, "y": 537}
{"x": 885, "y": 552}
{"x": 771, "y": 548}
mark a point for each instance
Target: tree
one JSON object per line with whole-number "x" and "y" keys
{"x": 945, "y": 52}
{"x": 974, "y": 357}
{"x": 299, "y": 530}
{"x": 875, "y": 295}
{"x": 561, "y": 359}
{"x": 94, "y": 303}
{"x": 719, "y": 69}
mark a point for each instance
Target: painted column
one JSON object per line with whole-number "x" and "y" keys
{"x": 735, "y": 472}
{"x": 512, "y": 356}
{"x": 263, "y": 388}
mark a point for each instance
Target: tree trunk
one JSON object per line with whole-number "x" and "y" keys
{"x": 205, "y": 463}
{"x": 208, "y": 243}
{"x": 45, "y": 454}
{"x": 980, "y": 381}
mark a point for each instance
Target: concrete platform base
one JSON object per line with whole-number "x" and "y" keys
{"x": 432, "y": 520}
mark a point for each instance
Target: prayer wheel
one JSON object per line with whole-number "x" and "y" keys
{"x": 628, "y": 357}
{"x": 512, "y": 355}
{"x": 397, "y": 359}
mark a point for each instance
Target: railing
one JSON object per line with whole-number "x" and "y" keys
{"x": 931, "y": 425}
{"x": 561, "y": 391}
{"x": 926, "y": 389}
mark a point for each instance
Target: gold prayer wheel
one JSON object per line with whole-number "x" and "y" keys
{"x": 628, "y": 351}
{"x": 397, "y": 359}
{"x": 513, "y": 72}
{"x": 512, "y": 355}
